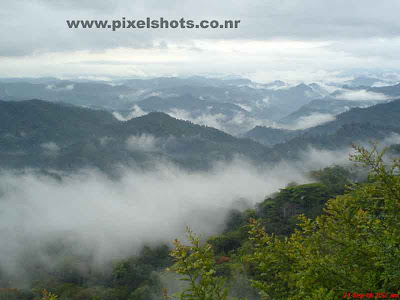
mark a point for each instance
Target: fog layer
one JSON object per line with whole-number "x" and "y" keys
{"x": 109, "y": 219}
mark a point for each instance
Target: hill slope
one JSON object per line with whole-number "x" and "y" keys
{"x": 41, "y": 134}
{"x": 374, "y": 123}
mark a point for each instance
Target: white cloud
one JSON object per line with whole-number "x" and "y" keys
{"x": 318, "y": 159}
{"x": 394, "y": 138}
{"x": 382, "y": 84}
{"x": 245, "y": 107}
{"x": 68, "y": 87}
{"x": 312, "y": 120}
{"x": 251, "y": 59}
{"x": 342, "y": 39}
{"x": 143, "y": 142}
{"x": 210, "y": 120}
{"x": 235, "y": 125}
{"x": 135, "y": 112}
{"x": 362, "y": 95}
{"x": 114, "y": 218}
{"x": 50, "y": 148}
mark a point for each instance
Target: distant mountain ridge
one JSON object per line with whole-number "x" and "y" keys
{"x": 248, "y": 101}
{"x": 384, "y": 114}
{"x": 358, "y": 125}
{"x": 271, "y": 136}
{"x": 234, "y": 105}
{"x": 36, "y": 133}
{"x": 188, "y": 103}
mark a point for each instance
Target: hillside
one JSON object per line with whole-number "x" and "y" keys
{"x": 326, "y": 106}
{"x": 190, "y": 104}
{"x": 385, "y": 114}
{"x": 41, "y": 134}
{"x": 271, "y": 136}
{"x": 359, "y": 125}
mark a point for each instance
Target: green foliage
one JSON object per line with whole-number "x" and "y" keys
{"x": 48, "y": 296}
{"x": 279, "y": 212}
{"x": 354, "y": 246}
{"x": 11, "y": 294}
{"x": 197, "y": 265}
{"x": 335, "y": 178}
{"x": 137, "y": 272}
{"x": 237, "y": 219}
{"x": 133, "y": 278}
{"x": 85, "y": 137}
{"x": 338, "y": 134}
{"x": 225, "y": 243}
{"x": 141, "y": 293}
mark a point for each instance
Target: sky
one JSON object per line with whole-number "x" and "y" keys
{"x": 286, "y": 39}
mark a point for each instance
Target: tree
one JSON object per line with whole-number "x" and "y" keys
{"x": 197, "y": 265}
{"x": 354, "y": 246}
{"x": 48, "y": 296}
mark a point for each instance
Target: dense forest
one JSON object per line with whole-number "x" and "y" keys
{"x": 44, "y": 135}
{"x": 40, "y": 134}
{"x": 320, "y": 240}
{"x": 199, "y": 150}
{"x": 332, "y": 235}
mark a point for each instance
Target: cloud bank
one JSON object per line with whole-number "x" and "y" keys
{"x": 290, "y": 39}
{"x": 105, "y": 219}
{"x": 362, "y": 95}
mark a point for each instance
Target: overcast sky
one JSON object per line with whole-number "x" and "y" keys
{"x": 285, "y": 39}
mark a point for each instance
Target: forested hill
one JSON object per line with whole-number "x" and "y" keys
{"x": 162, "y": 125}
{"x": 189, "y": 103}
{"x": 39, "y": 120}
{"x": 271, "y": 136}
{"x": 385, "y": 114}
{"x": 357, "y": 126}
{"x": 36, "y": 133}
{"x": 41, "y": 134}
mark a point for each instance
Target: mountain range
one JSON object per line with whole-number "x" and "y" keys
{"x": 232, "y": 105}
{"x": 40, "y": 134}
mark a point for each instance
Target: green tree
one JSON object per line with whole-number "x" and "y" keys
{"x": 196, "y": 263}
{"x": 48, "y": 296}
{"x": 354, "y": 246}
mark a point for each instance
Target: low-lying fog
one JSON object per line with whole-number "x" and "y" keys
{"x": 108, "y": 219}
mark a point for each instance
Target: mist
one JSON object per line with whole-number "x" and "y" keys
{"x": 106, "y": 219}
{"x": 240, "y": 123}
{"x": 362, "y": 95}
{"x": 312, "y": 120}
{"x": 113, "y": 219}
